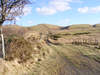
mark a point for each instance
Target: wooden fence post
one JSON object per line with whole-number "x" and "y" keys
{"x": 3, "y": 45}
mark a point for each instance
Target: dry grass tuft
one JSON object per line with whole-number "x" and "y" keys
{"x": 17, "y": 47}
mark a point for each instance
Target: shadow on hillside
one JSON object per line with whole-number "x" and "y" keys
{"x": 63, "y": 28}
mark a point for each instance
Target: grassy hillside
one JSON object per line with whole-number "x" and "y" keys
{"x": 78, "y": 26}
{"x": 69, "y": 51}
{"x": 96, "y": 25}
{"x": 44, "y": 28}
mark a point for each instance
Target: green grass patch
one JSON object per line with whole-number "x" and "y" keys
{"x": 81, "y": 33}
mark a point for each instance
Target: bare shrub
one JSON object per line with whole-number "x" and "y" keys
{"x": 18, "y": 48}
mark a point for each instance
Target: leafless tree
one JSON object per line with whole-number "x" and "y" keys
{"x": 9, "y": 9}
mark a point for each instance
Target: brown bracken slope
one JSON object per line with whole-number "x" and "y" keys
{"x": 47, "y": 49}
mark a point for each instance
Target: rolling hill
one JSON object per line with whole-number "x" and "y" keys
{"x": 71, "y": 50}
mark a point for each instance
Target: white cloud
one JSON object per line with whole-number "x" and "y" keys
{"x": 54, "y": 6}
{"x": 83, "y": 10}
{"x": 95, "y": 9}
{"x": 18, "y": 19}
{"x": 27, "y": 10}
{"x": 78, "y": 1}
{"x": 46, "y": 11}
{"x": 89, "y": 9}
{"x": 60, "y": 5}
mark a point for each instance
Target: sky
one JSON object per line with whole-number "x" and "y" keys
{"x": 60, "y": 12}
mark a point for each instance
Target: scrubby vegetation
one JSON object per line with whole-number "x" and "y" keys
{"x": 81, "y": 33}
{"x": 55, "y": 36}
{"x": 18, "y": 47}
